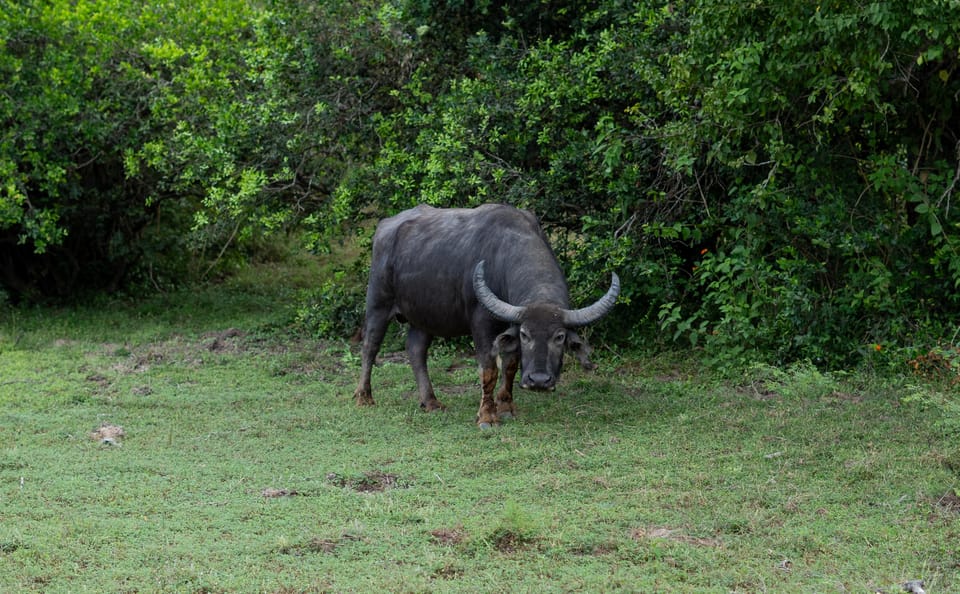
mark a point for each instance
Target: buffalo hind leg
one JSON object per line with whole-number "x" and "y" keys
{"x": 418, "y": 342}
{"x": 375, "y": 328}
{"x": 508, "y": 366}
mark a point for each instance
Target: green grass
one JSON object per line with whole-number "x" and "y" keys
{"x": 246, "y": 467}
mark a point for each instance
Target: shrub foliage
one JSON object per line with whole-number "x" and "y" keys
{"x": 152, "y": 142}
{"x": 772, "y": 181}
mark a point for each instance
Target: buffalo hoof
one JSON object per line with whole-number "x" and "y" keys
{"x": 364, "y": 399}
{"x": 505, "y": 415}
{"x": 432, "y": 405}
{"x": 486, "y": 420}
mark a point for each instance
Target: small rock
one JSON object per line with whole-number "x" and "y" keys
{"x": 914, "y": 586}
{"x": 108, "y": 434}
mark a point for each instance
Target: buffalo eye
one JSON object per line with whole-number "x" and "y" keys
{"x": 560, "y": 336}
{"x": 525, "y": 336}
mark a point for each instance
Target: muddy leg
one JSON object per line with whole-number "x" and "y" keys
{"x": 508, "y": 366}
{"x": 487, "y": 415}
{"x": 417, "y": 344}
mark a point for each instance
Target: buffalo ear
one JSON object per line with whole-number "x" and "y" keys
{"x": 507, "y": 342}
{"x": 580, "y": 349}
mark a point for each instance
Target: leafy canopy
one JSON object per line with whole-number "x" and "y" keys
{"x": 771, "y": 180}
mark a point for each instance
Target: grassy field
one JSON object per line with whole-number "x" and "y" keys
{"x": 244, "y": 466}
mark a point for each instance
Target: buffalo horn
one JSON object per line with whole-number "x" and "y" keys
{"x": 573, "y": 318}
{"x": 499, "y": 308}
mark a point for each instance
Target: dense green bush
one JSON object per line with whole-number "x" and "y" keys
{"x": 150, "y": 143}
{"x": 772, "y": 181}
{"x": 335, "y": 309}
{"x": 830, "y": 136}
{"x": 137, "y": 134}
{"x": 542, "y": 123}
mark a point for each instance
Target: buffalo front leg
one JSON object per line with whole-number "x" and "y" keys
{"x": 508, "y": 366}
{"x": 487, "y": 415}
{"x": 418, "y": 342}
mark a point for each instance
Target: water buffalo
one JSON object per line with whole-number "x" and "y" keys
{"x": 487, "y": 272}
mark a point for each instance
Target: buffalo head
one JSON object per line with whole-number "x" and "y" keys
{"x": 540, "y": 333}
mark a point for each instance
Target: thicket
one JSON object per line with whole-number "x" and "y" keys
{"x": 156, "y": 143}
{"x": 772, "y": 181}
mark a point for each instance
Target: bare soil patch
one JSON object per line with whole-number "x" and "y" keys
{"x": 99, "y": 379}
{"x": 223, "y": 340}
{"x": 327, "y": 546}
{"x": 949, "y": 502}
{"x": 108, "y": 434}
{"x": 509, "y": 541}
{"x": 372, "y": 481}
{"x": 758, "y": 390}
{"x": 448, "y": 536}
{"x": 448, "y": 572}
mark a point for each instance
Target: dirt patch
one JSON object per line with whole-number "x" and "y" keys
{"x": 99, "y": 379}
{"x": 448, "y": 572}
{"x": 220, "y": 341}
{"x": 674, "y": 535}
{"x": 950, "y": 502}
{"x": 448, "y": 536}
{"x": 307, "y": 364}
{"x": 758, "y": 390}
{"x": 327, "y": 546}
{"x": 509, "y": 541}
{"x": 108, "y": 434}
{"x": 373, "y": 481}
{"x": 131, "y": 363}
{"x": 176, "y": 350}
{"x": 304, "y": 357}
{"x": 141, "y": 390}
{"x": 850, "y": 397}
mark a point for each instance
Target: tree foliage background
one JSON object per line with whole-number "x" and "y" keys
{"x": 772, "y": 180}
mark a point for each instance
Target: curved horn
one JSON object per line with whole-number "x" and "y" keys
{"x": 591, "y": 313}
{"x": 499, "y": 308}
